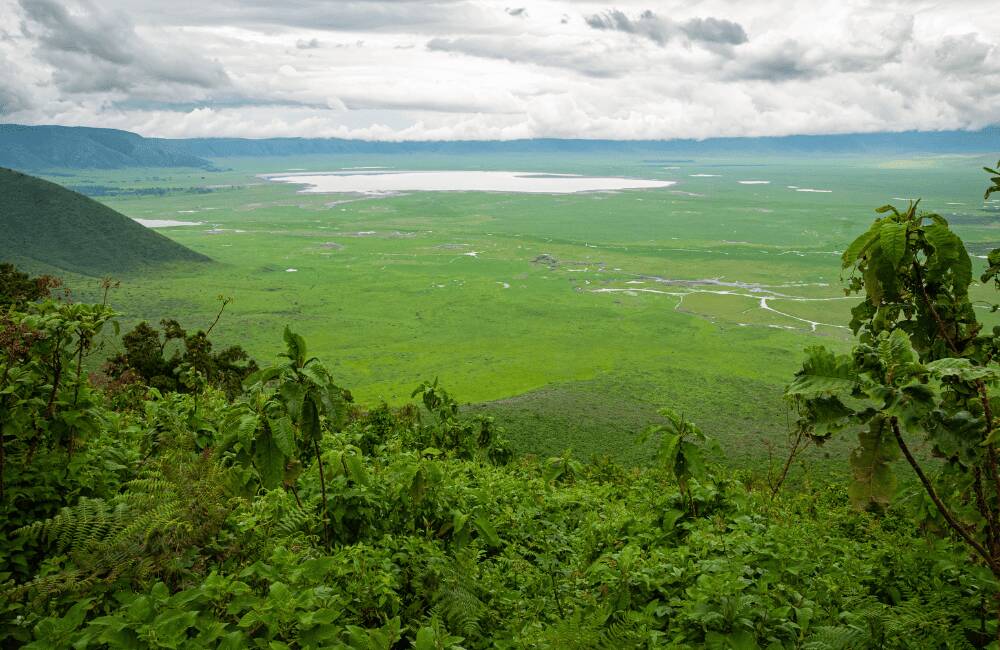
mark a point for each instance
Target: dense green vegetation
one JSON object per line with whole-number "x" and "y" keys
{"x": 193, "y": 521}
{"x": 289, "y": 516}
{"x": 49, "y": 227}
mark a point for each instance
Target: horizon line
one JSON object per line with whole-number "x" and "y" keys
{"x": 989, "y": 130}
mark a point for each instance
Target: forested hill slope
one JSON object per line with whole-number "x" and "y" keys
{"x": 47, "y": 226}
{"x": 987, "y": 140}
{"x": 53, "y": 147}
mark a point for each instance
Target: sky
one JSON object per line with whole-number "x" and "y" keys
{"x": 498, "y": 70}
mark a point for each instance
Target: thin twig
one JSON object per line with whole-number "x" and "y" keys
{"x": 225, "y": 301}
{"x": 795, "y": 451}
{"x": 322, "y": 487}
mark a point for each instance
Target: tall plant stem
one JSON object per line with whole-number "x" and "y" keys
{"x": 322, "y": 487}
{"x": 3, "y": 406}
{"x": 217, "y": 316}
{"x": 942, "y": 508}
{"x": 796, "y": 449}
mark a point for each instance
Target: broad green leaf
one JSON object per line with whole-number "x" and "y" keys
{"x": 895, "y": 349}
{"x": 690, "y": 462}
{"x": 247, "y": 428}
{"x": 418, "y": 486}
{"x": 269, "y": 460}
{"x": 296, "y": 347}
{"x": 283, "y": 434}
{"x": 262, "y": 376}
{"x": 892, "y": 240}
{"x": 961, "y": 272}
{"x": 870, "y": 274}
{"x": 874, "y": 483}
{"x": 827, "y": 415}
{"x": 963, "y": 369}
{"x": 171, "y": 627}
{"x": 911, "y": 405}
{"x": 949, "y": 253}
{"x": 824, "y": 372}
{"x": 356, "y": 468}
{"x": 553, "y": 470}
{"x": 859, "y": 246}
{"x": 309, "y": 419}
{"x": 486, "y": 531}
{"x": 669, "y": 446}
{"x": 317, "y": 374}
{"x": 960, "y": 435}
{"x": 292, "y": 394}
{"x": 458, "y": 520}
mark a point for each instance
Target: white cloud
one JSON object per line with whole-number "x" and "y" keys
{"x": 459, "y": 69}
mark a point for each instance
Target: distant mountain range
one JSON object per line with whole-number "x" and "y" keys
{"x": 54, "y": 147}
{"x": 49, "y": 228}
{"x": 62, "y": 147}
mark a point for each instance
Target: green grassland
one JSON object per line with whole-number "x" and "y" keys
{"x": 579, "y": 315}
{"x": 49, "y": 228}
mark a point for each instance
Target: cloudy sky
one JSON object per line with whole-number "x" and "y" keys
{"x": 485, "y": 69}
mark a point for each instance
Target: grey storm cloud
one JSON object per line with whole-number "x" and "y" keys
{"x": 789, "y": 60}
{"x": 445, "y": 69}
{"x": 715, "y": 30}
{"x": 661, "y": 30}
{"x": 94, "y": 50}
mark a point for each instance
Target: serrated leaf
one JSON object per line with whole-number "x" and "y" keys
{"x": 553, "y": 470}
{"x": 292, "y": 394}
{"x": 309, "y": 419}
{"x": 262, "y": 376}
{"x": 827, "y": 415}
{"x": 949, "y": 253}
{"x": 870, "y": 274}
{"x": 963, "y": 369}
{"x": 418, "y": 486}
{"x": 874, "y": 483}
{"x": 356, "y": 468}
{"x": 247, "y": 428}
{"x": 317, "y": 374}
{"x": 487, "y": 531}
{"x": 822, "y": 373}
{"x": 895, "y": 349}
{"x": 283, "y": 434}
{"x": 859, "y": 245}
{"x": 911, "y": 405}
{"x": 961, "y": 272}
{"x": 296, "y": 347}
{"x": 892, "y": 240}
{"x": 269, "y": 460}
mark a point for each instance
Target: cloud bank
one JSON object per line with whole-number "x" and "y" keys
{"x": 484, "y": 69}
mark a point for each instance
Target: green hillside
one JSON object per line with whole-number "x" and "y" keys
{"x": 48, "y": 226}
{"x": 53, "y": 147}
